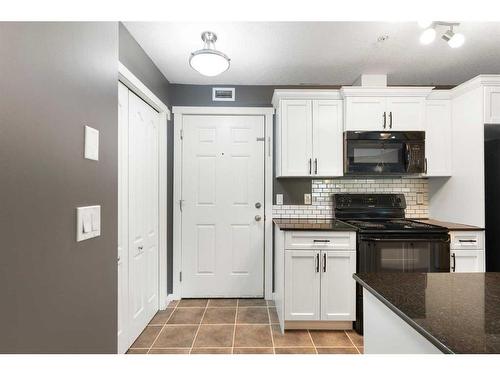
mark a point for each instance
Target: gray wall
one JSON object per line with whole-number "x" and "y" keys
{"x": 57, "y": 295}
{"x": 138, "y": 62}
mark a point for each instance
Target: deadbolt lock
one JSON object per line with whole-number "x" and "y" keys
{"x": 258, "y": 205}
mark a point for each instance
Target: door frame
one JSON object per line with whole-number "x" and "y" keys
{"x": 133, "y": 83}
{"x": 267, "y": 113}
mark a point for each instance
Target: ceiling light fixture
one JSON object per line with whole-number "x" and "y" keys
{"x": 208, "y": 61}
{"x": 428, "y": 36}
{"x": 454, "y": 40}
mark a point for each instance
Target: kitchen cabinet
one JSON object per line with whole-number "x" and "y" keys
{"x": 308, "y": 134}
{"x": 392, "y": 108}
{"x": 467, "y": 261}
{"x": 492, "y": 105}
{"x": 302, "y": 285}
{"x": 467, "y": 251}
{"x": 318, "y": 278}
{"x": 438, "y": 137}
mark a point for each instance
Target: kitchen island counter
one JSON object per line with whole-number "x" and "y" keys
{"x": 452, "y": 312}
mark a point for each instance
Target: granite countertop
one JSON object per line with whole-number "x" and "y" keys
{"x": 313, "y": 224}
{"x": 457, "y": 312}
{"x": 448, "y": 225}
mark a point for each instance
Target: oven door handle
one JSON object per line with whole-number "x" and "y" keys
{"x": 377, "y": 239}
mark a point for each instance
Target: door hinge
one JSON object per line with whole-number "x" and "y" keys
{"x": 180, "y": 276}
{"x": 182, "y": 134}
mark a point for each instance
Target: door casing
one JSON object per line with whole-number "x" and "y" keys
{"x": 267, "y": 113}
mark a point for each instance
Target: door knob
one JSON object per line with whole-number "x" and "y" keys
{"x": 258, "y": 205}
{"x": 258, "y": 217}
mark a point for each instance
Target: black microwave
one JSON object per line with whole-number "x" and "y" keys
{"x": 384, "y": 153}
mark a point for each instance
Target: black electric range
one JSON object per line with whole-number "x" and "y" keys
{"x": 387, "y": 241}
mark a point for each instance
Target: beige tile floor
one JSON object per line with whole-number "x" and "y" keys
{"x": 235, "y": 326}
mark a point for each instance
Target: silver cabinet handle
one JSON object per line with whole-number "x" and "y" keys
{"x": 310, "y": 165}
{"x": 317, "y": 262}
{"x": 324, "y": 262}
{"x": 316, "y": 166}
{"x": 454, "y": 264}
{"x": 323, "y": 241}
{"x": 258, "y": 217}
{"x": 385, "y": 119}
{"x": 390, "y": 120}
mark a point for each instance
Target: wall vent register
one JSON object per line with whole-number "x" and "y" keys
{"x": 223, "y": 94}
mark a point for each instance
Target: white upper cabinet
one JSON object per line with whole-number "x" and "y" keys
{"x": 406, "y": 113}
{"x": 492, "y": 105}
{"x": 308, "y": 133}
{"x": 391, "y": 108}
{"x": 438, "y": 137}
{"x": 365, "y": 113}
{"x": 296, "y": 137}
{"x": 327, "y": 138}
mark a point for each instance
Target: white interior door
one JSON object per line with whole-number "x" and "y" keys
{"x": 138, "y": 216}
{"x": 223, "y": 206}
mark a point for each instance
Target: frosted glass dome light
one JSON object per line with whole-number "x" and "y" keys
{"x": 208, "y": 61}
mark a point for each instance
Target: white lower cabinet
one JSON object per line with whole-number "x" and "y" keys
{"x": 319, "y": 284}
{"x": 302, "y": 285}
{"x": 467, "y": 261}
{"x": 338, "y": 288}
{"x": 467, "y": 251}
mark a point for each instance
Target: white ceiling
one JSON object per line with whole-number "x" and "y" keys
{"x": 323, "y": 53}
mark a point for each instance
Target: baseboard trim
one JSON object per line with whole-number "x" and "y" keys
{"x": 317, "y": 324}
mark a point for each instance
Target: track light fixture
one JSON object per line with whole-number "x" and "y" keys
{"x": 453, "y": 39}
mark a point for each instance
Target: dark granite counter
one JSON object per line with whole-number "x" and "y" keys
{"x": 449, "y": 225}
{"x": 313, "y": 224}
{"x": 457, "y": 312}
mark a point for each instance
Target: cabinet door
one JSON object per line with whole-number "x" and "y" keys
{"x": 467, "y": 261}
{"x": 492, "y": 105}
{"x": 405, "y": 113}
{"x": 302, "y": 285}
{"x": 327, "y": 138}
{"x": 365, "y": 113}
{"x": 338, "y": 288}
{"x": 296, "y": 137}
{"x": 438, "y": 137}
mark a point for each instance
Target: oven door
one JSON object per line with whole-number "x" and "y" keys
{"x": 374, "y": 157}
{"x": 404, "y": 254}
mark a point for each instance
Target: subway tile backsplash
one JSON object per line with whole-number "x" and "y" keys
{"x": 322, "y": 191}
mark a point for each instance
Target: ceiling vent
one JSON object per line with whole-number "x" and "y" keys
{"x": 223, "y": 94}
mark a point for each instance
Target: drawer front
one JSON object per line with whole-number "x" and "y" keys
{"x": 467, "y": 240}
{"x": 303, "y": 240}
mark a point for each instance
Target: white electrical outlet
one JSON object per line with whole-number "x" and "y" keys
{"x": 307, "y": 198}
{"x": 420, "y": 198}
{"x": 279, "y": 199}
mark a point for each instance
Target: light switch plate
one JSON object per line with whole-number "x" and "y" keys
{"x": 91, "y": 143}
{"x": 420, "y": 198}
{"x": 307, "y": 198}
{"x": 279, "y": 199}
{"x": 88, "y": 222}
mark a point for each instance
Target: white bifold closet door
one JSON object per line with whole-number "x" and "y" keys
{"x": 137, "y": 215}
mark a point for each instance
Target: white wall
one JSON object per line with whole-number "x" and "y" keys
{"x": 460, "y": 198}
